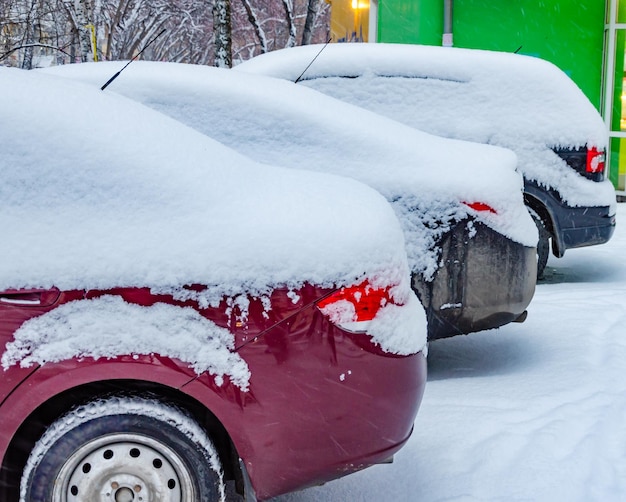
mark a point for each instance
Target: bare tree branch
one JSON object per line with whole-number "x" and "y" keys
{"x": 291, "y": 41}
{"x": 256, "y": 25}
{"x": 19, "y": 47}
{"x": 311, "y": 15}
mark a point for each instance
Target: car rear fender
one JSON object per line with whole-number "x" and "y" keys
{"x": 54, "y": 388}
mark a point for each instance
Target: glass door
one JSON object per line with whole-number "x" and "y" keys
{"x": 614, "y": 92}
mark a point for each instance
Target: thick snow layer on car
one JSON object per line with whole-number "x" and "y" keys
{"x": 107, "y": 327}
{"x": 101, "y": 192}
{"x": 518, "y": 102}
{"x": 427, "y": 178}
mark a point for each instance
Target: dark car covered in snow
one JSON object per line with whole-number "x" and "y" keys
{"x": 518, "y": 102}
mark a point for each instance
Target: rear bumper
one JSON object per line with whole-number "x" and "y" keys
{"x": 486, "y": 281}
{"x": 586, "y": 226}
{"x": 336, "y": 404}
{"x": 570, "y": 227}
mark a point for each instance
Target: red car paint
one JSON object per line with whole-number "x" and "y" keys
{"x": 322, "y": 402}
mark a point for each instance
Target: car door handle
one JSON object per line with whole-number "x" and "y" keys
{"x": 29, "y": 298}
{"x": 20, "y": 301}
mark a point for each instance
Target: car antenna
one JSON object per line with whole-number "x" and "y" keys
{"x": 312, "y": 61}
{"x": 136, "y": 56}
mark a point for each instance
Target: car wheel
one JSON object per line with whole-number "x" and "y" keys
{"x": 543, "y": 245}
{"x": 123, "y": 449}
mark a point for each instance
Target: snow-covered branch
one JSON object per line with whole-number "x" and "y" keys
{"x": 42, "y": 32}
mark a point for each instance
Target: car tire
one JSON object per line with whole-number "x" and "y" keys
{"x": 543, "y": 244}
{"x": 127, "y": 449}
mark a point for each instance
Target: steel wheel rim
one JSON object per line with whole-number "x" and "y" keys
{"x": 124, "y": 468}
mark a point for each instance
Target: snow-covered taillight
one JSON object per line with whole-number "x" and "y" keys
{"x": 588, "y": 162}
{"x": 352, "y": 308}
{"x": 480, "y": 207}
{"x": 595, "y": 160}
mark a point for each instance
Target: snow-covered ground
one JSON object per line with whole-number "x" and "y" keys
{"x": 529, "y": 412}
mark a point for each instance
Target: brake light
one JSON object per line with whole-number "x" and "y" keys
{"x": 588, "y": 162}
{"x": 595, "y": 160}
{"x": 352, "y": 308}
{"x": 480, "y": 206}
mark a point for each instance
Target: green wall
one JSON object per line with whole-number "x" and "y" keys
{"x": 410, "y": 21}
{"x": 569, "y": 33}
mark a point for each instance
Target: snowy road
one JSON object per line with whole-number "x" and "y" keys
{"x": 529, "y": 412}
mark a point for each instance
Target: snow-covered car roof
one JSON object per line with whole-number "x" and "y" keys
{"x": 427, "y": 178}
{"x": 515, "y": 101}
{"x": 99, "y": 191}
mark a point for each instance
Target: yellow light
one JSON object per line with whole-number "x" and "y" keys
{"x": 360, "y": 4}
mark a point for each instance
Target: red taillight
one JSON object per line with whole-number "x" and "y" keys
{"x": 480, "y": 206}
{"x": 353, "y": 307}
{"x": 595, "y": 160}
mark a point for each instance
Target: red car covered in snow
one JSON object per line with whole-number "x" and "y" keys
{"x": 178, "y": 332}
